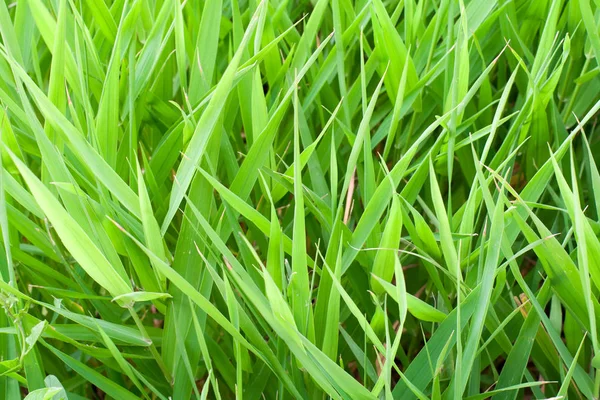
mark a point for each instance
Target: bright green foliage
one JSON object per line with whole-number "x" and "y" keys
{"x": 309, "y": 199}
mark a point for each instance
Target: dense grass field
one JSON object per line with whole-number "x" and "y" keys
{"x": 299, "y": 199}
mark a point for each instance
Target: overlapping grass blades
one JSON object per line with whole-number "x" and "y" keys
{"x": 299, "y": 199}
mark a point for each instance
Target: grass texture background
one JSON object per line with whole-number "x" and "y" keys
{"x": 308, "y": 199}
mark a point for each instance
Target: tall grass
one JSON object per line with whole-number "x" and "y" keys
{"x": 310, "y": 199}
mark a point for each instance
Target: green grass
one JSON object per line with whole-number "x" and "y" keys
{"x": 310, "y": 199}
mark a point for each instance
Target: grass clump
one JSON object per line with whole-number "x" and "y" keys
{"x": 299, "y": 199}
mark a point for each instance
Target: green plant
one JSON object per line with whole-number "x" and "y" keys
{"x": 299, "y": 199}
